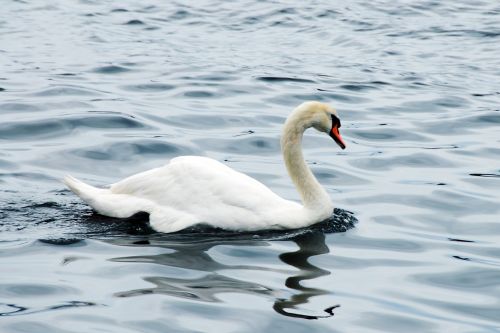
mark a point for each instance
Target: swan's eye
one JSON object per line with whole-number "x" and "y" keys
{"x": 335, "y": 121}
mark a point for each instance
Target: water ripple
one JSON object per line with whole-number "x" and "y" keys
{"x": 102, "y": 91}
{"x": 111, "y": 69}
{"x": 30, "y": 130}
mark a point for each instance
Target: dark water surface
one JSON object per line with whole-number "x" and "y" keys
{"x": 105, "y": 89}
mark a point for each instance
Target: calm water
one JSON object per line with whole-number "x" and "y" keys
{"x": 104, "y": 89}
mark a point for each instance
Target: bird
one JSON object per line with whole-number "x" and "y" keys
{"x": 197, "y": 190}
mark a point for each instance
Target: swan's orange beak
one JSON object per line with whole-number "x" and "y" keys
{"x": 335, "y": 134}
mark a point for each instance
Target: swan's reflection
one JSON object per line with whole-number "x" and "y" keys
{"x": 310, "y": 244}
{"x": 195, "y": 256}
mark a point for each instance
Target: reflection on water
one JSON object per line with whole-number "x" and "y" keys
{"x": 208, "y": 286}
{"x": 16, "y": 310}
{"x": 310, "y": 244}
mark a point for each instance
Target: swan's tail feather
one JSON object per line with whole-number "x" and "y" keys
{"x": 104, "y": 201}
{"x": 80, "y": 188}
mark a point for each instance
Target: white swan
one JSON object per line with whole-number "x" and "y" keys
{"x": 192, "y": 189}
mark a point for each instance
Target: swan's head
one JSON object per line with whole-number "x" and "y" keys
{"x": 323, "y": 118}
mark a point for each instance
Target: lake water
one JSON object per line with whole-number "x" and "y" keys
{"x": 105, "y": 89}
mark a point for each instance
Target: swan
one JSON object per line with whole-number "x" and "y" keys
{"x": 192, "y": 190}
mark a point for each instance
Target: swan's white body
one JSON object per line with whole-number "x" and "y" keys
{"x": 191, "y": 189}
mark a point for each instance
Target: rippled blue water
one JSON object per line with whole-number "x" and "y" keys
{"x": 104, "y": 89}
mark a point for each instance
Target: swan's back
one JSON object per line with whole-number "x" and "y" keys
{"x": 196, "y": 180}
{"x": 208, "y": 190}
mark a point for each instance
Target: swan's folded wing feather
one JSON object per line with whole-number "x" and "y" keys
{"x": 201, "y": 186}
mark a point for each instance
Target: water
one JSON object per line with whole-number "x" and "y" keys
{"x": 102, "y": 90}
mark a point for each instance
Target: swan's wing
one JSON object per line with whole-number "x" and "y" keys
{"x": 204, "y": 188}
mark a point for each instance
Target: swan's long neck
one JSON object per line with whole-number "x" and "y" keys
{"x": 314, "y": 196}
